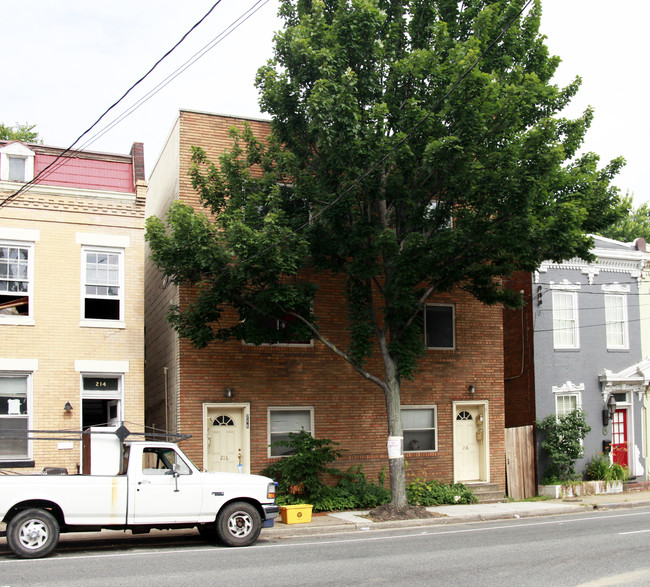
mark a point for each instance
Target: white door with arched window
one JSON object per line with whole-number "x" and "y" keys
{"x": 226, "y": 438}
{"x": 470, "y": 442}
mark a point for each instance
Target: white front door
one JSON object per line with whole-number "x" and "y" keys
{"x": 469, "y": 443}
{"x": 225, "y": 439}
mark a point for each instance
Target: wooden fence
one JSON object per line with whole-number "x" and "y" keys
{"x": 520, "y": 462}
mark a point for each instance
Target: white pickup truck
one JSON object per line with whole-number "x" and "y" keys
{"x": 156, "y": 486}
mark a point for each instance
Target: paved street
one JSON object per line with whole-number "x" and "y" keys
{"x": 589, "y": 548}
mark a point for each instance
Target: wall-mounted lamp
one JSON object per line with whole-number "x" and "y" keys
{"x": 67, "y": 407}
{"x": 472, "y": 389}
{"x": 609, "y": 411}
{"x": 228, "y": 392}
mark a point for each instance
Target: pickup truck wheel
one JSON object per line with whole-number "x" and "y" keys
{"x": 33, "y": 533}
{"x": 239, "y": 524}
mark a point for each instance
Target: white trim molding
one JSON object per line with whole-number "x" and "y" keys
{"x": 83, "y": 366}
{"x": 22, "y": 365}
{"x": 635, "y": 378}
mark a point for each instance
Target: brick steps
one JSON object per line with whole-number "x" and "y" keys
{"x": 630, "y": 486}
{"x": 486, "y": 492}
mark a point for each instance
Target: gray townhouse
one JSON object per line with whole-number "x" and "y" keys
{"x": 587, "y": 349}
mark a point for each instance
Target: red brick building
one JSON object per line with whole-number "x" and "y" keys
{"x": 235, "y": 398}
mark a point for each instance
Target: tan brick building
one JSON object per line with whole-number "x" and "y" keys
{"x": 71, "y": 298}
{"x": 236, "y": 398}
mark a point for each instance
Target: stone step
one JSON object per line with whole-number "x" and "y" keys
{"x": 486, "y": 492}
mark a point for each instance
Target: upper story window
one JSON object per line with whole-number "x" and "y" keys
{"x": 565, "y": 320}
{"x": 102, "y": 279}
{"x": 616, "y": 321}
{"x": 17, "y": 275}
{"x": 16, "y": 163}
{"x": 439, "y": 326}
{"x": 103, "y": 285}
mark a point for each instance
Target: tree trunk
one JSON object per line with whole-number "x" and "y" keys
{"x": 395, "y": 436}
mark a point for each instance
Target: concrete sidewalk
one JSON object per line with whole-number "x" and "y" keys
{"x": 355, "y": 521}
{"x": 359, "y": 520}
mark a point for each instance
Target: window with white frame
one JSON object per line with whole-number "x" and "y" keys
{"x": 17, "y": 167}
{"x": 439, "y": 326}
{"x": 103, "y": 287}
{"x": 16, "y": 163}
{"x": 283, "y": 421}
{"x": 616, "y": 321}
{"x": 16, "y": 277}
{"x": 419, "y": 425}
{"x": 14, "y": 417}
{"x": 565, "y": 320}
{"x": 566, "y": 403}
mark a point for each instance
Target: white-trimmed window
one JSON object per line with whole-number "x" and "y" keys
{"x": 565, "y": 320}
{"x": 616, "y": 321}
{"x": 16, "y": 282}
{"x": 103, "y": 284}
{"x": 568, "y": 397}
{"x": 566, "y": 403}
{"x": 284, "y": 420}
{"x": 16, "y": 163}
{"x": 15, "y": 393}
{"x": 440, "y": 326}
{"x": 420, "y": 427}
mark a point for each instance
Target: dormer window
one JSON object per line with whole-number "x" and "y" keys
{"x": 16, "y": 163}
{"x": 16, "y": 168}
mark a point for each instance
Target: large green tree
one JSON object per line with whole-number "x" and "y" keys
{"x": 20, "y": 132}
{"x": 417, "y": 147}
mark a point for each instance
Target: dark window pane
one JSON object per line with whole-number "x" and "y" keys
{"x": 102, "y": 309}
{"x": 439, "y": 325}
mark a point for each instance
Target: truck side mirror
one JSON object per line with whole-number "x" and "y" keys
{"x": 176, "y": 469}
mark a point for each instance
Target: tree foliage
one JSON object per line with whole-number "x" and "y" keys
{"x": 417, "y": 146}
{"x": 20, "y": 132}
{"x": 634, "y": 224}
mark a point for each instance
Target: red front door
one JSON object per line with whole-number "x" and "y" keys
{"x": 619, "y": 438}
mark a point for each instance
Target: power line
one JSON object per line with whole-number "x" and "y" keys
{"x": 63, "y": 154}
{"x": 181, "y": 69}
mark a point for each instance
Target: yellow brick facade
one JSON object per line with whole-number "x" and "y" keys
{"x": 55, "y": 347}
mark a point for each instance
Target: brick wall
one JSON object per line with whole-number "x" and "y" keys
{"x": 347, "y": 408}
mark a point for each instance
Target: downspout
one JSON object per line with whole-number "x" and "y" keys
{"x": 166, "y": 392}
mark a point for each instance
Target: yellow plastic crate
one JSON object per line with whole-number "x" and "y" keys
{"x": 296, "y": 514}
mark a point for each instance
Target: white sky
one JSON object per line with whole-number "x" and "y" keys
{"x": 66, "y": 61}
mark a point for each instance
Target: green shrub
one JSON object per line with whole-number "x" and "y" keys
{"x": 300, "y": 474}
{"x": 597, "y": 468}
{"x": 431, "y": 493}
{"x": 563, "y": 443}
{"x": 601, "y": 469}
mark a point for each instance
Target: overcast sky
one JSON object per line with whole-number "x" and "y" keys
{"x": 67, "y": 61}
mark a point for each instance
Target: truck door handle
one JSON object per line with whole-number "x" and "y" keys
{"x": 144, "y": 482}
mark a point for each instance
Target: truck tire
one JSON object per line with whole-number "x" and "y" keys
{"x": 33, "y": 533}
{"x": 239, "y": 524}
